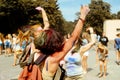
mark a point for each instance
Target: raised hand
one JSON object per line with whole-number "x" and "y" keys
{"x": 39, "y": 8}
{"x": 84, "y": 10}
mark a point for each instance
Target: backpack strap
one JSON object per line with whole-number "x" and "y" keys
{"x": 25, "y": 53}
{"x": 47, "y": 65}
{"x": 55, "y": 74}
{"x": 62, "y": 73}
{"x": 30, "y": 62}
{"x": 38, "y": 61}
{"x": 41, "y": 58}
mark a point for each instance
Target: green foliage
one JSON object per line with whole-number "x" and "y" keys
{"x": 17, "y": 13}
{"x": 100, "y": 11}
{"x": 68, "y": 27}
{"x": 118, "y": 15}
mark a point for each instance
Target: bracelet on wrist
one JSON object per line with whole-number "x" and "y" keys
{"x": 82, "y": 20}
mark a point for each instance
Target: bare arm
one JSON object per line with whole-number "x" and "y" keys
{"x": 97, "y": 56}
{"x": 75, "y": 34}
{"x": 85, "y": 48}
{"x": 45, "y": 18}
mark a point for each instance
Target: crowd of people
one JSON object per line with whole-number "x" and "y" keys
{"x": 14, "y": 44}
{"x": 71, "y": 53}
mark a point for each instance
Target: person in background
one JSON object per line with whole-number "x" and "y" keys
{"x": 103, "y": 56}
{"x": 53, "y": 44}
{"x": 7, "y": 45}
{"x": 85, "y": 41}
{"x": 17, "y": 49}
{"x": 117, "y": 47}
{"x": 10, "y": 49}
{"x": 1, "y": 42}
{"x": 14, "y": 39}
{"x": 104, "y": 39}
{"x": 74, "y": 61}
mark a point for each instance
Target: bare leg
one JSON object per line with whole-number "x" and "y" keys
{"x": 105, "y": 68}
{"x": 9, "y": 52}
{"x": 15, "y": 59}
{"x": 85, "y": 63}
{"x": 0, "y": 49}
{"x": 5, "y": 51}
{"x": 97, "y": 60}
{"x": 101, "y": 70}
{"x": 119, "y": 56}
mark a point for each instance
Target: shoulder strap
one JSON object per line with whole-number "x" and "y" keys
{"x": 25, "y": 53}
{"x": 38, "y": 61}
{"x": 61, "y": 74}
{"x": 41, "y": 58}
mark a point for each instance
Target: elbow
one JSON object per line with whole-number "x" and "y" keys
{"x": 93, "y": 42}
{"x": 46, "y": 26}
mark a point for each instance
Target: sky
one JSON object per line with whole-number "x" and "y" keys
{"x": 70, "y": 7}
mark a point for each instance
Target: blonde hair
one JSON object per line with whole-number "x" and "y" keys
{"x": 85, "y": 35}
{"x": 20, "y": 33}
{"x": 26, "y": 35}
{"x": 102, "y": 48}
{"x": 35, "y": 27}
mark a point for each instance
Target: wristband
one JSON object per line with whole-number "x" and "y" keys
{"x": 82, "y": 20}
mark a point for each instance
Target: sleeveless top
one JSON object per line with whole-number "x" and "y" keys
{"x": 84, "y": 42}
{"x": 73, "y": 64}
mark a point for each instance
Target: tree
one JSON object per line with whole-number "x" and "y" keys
{"x": 17, "y": 13}
{"x": 12, "y": 15}
{"x": 100, "y": 11}
{"x": 114, "y": 16}
{"x": 118, "y": 15}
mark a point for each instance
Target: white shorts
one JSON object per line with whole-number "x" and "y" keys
{"x": 86, "y": 53}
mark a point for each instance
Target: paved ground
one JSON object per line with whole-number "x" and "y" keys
{"x": 8, "y": 72}
{"x": 113, "y": 69}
